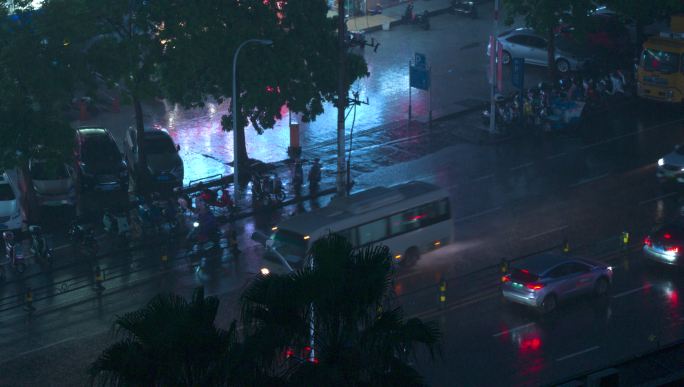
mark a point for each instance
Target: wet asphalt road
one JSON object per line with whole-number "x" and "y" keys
{"x": 508, "y": 200}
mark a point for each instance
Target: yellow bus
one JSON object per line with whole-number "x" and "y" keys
{"x": 660, "y": 76}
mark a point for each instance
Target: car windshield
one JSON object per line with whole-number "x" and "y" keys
{"x": 289, "y": 243}
{"x": 48, "y": 171}
{"x": 100, "y": 149}
{"x": 524, "y": 276}
{"x": 6, "y": 192}
{"x": 662, "y": 61}
{"x": 159, "y": 145}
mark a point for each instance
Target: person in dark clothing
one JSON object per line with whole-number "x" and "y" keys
{"x": 314, "y": 176}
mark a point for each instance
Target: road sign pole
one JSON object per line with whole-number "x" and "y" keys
{"x": 430, "y": 97}
{"x": 409, "y": 93}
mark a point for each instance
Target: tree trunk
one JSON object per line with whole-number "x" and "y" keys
{"x": 551, "y": 55}
{"x": 141, "y": 168}
{"x": 241, "y": 151}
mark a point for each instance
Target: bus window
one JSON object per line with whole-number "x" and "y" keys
{"x": 371, "y": 232}
{"x": 289, "y": 243}
{"x": 443, "y": 209}
{"x": 404, "y": 222}
{"x": 349, "y": 234}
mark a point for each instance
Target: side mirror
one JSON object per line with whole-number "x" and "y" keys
{"x": 261, "y": 238}
{"x": 177, "y": 148}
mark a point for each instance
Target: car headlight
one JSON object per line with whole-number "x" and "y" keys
{"x": 661, "y": 162}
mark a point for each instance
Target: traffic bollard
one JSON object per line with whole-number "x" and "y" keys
{"x": 28, "y": 298}
{"x": 504, "y": 266}
{"x": 99, "y": 279}
{"x": 625, "y": 239}
{"x": 442, "y": 293}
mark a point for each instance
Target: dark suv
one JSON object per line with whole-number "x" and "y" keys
{"x": 100, "y": 165}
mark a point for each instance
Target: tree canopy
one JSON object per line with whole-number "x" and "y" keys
{"x": 40, "y": 70}
{"x": 358, "y": 340}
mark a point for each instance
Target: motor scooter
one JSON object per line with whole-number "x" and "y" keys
{"x": 13, "y": 252}
{"x": 39, "y": 246}
{"x": 463, "y": 7}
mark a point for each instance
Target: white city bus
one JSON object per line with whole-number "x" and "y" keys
{"x": 411, "y": 219}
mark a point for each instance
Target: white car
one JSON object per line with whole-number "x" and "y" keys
{"x": 10, "y": 204}
{"x": 53, "y": 182}
{"x": 671, "y": 166}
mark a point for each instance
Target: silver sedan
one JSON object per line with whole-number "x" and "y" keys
{"x": 525, "y": 43}
{"x": 541, "y": 281}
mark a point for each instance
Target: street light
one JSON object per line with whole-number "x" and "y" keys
{"x": 263, "y": 42}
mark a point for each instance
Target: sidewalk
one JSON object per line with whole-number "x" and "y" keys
{"x": 391, "y": 15}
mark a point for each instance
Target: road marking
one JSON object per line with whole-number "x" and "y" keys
{"x": 513, "y": 330}
{"x": 485, "y": 177}
{"x": 521, "y": 166}
{"x": 557, "y": 155}
{"x": 54, "y": 344}
{"x": 589, "y": 180}
{"x": 657, "y": 198}
{"x": 582, "y": 352}
{"x": 545, "y": 232}
{"x": 628, "y": 292}
{"x": 485, "y": 212}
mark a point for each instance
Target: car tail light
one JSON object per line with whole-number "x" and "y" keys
{"x": 506, "y": 278}
{"x": 674, "y": 249}
{"x": 647, "y": 241}
{"x": 534, "y": 286}
{"x": 667, "y": 236}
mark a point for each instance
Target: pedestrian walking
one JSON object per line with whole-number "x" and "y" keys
{"x": 28, "y": 298}
{"x": 314, "y": 176}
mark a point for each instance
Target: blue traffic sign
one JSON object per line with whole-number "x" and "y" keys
{"x": 419, "y": 77}
{"x": 420, "y": 60}
{"x": 518, "y": 72}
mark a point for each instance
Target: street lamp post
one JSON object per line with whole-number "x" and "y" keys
{"x": 234, "y": 97}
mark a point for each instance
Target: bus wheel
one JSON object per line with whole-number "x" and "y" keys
{"x": 411, "y": 256}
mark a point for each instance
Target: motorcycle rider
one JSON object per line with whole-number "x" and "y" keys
{"x": 277, "y": 185}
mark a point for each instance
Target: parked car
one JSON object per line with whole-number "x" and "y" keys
{"x": 542, "y": 280}
{"x": 52, "y": 182}
{"x": 11, "y": 216}
{"x": 670, "y": 168}
{"x": 666, "y": 243}
{"x": 100, "y": 165}
{"x": 163, "y": 164}
{"x": 525, "y": 43}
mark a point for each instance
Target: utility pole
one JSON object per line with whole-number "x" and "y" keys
{"x": 341, "y": 99}
{"x": 493, "y": 66}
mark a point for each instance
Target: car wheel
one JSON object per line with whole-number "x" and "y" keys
{"x": 563, "y": 66}
{"x": 549, "y": 304}
{"x": 601, "y": 287}
{"x": 505, "y": 57}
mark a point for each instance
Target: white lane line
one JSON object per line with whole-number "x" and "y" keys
{"x": 485, "y": 212}
{"x": 545, "y": 232}
{"x": 589, "y": 180}
{"x": 657, "y": 198}
{"x": 582, "y": 352}
{"x": 521, "y": 166}
{"x": 485, "y": 177}
{"x": 513, "y": 329}
{"x": 68, "y": 339}
{"x": 628, "y": 292}
{"x": 557, "y": 155}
